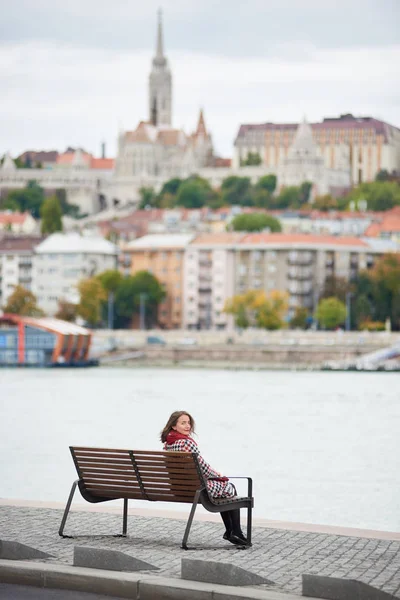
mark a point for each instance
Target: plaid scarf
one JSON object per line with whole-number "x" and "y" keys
{"x": 173, "y": 436}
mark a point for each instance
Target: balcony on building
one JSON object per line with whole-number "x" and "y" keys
{"x": 299, "y": 273}
{"x": 296, "y": 257}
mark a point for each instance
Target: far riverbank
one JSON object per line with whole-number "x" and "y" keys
{"x": 298, "y": 350}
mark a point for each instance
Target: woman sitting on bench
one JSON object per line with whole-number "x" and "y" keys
{"x": 177, "y": 437}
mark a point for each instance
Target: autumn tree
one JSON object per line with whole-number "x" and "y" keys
{"x": 22, "y": 302}
{"x": 92, "y": 294}
{"x": 258, "y": 309}
{"x": 331, "y": 313}
{"x": 66, "y": 311}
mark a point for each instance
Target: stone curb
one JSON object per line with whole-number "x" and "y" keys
{"x": 125, "y": 585}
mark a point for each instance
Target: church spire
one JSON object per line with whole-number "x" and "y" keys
{"x": 160, "y": 83}
{"x": 160, "y": 44}
{"x": 201, "y": 125}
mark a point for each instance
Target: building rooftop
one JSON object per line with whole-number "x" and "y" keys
{"x": 74, "y": 243}
{"x": 13, "y": 217}
{"x": 15, "y": 244}
{"x": 302, "y": 239}
{"x": 161, "y": 240}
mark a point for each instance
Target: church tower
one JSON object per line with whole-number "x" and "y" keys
{"x": 160, "y": 84}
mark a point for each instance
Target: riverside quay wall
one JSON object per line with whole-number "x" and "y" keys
{"x": 249, "y": 348}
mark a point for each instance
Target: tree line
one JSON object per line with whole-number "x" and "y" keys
{"x": 196, "y": 192}
{"x": 49, "y": 209}
{"x": 373, "y": 298}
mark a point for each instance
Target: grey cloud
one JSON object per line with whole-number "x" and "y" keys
{"x": 229, "y": 27}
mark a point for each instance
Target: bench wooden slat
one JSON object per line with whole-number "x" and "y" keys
{"x": 107, "y": 461}
{"x": 106, "y": 467}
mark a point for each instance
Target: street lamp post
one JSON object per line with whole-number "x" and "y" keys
{"x": 142, "y": 311}
{"x": 110, "y": 310}
{"x": 348, "y": 310}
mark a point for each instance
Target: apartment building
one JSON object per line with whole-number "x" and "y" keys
{"x": 163, "y": 256}
{"x": 209, "y": 280}
{"x": 219, "y": 266}
{"x": 62, "y": 260}
{"x": 16, "y": 262}
{"x": 299, "y": 264}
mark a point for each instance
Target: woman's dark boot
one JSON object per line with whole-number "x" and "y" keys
{"x": 237, "y": 532}
{"x": 226, "y": 517}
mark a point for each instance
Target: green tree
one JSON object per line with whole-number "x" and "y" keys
{"x": 252, "y": 159}
{"x": 300, "y": 318}
{"x": 66, "y": 311}
{"x": 29, "y": 199}
{"x": 51, "y": 214}
{"x": 67, "y": 209}
{"x": 305, "y": 192}
{"x": 147, "y": 197}
{"x": 325, "y": 203}
{"x": 110, "y": 280}
{"x": 22, "y": 302}
{"x": 289, "y": 197}
{"x": 127, "y": 298}
{"x": 267, "y": 183}
{"x": 385, "y": 277}
{"x": 194, "y": 192}
{"x": 92, "y": 295}
{"x": 255, "y": 222}
{"x": 362, "y": 311}
{"x": 379, "y": 195}
{"x": 382, "y": 175}
{"x": 331, "y": 313}
{"x": 237, "y": 190}
{"x": 336, "y": 287}
{"x": 171, "y": 186}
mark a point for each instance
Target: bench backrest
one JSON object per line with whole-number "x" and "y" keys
{"x": 138, "y": 474}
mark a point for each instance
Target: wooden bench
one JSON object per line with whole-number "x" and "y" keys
{"x": 111, "y": 474}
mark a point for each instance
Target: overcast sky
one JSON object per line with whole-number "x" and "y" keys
{"x": 75, "y": 72}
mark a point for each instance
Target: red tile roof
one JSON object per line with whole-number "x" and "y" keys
{"x": 13, "y": 217}
{"x": 101, "y": 163}
{"x": 67, "y": 157}
{"x": 301, "y": 238}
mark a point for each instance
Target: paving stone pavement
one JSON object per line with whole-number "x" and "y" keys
{"x": 278, "y": 555}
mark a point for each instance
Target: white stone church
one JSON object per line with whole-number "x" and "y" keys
{"x": 156, "y": 151}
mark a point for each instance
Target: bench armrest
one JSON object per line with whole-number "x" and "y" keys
{"x": 249, "y": 483}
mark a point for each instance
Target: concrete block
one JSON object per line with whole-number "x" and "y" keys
{"x": 17, "y": 551}
{"x": 335, "y": 588}
{"x": 109, "y": 560}
{"x": 219, "y": 572}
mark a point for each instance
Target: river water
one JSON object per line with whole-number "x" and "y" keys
{"x": 321, "y": 447}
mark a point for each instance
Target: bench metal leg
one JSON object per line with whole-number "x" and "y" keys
{"x": 190, "y": 520}
{"x": 249, "y": 524}
{"x": 125, "y": 518}
{"x": 65, "y": 515}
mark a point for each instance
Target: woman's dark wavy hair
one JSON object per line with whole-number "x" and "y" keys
{"x": 172, "y": 421}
